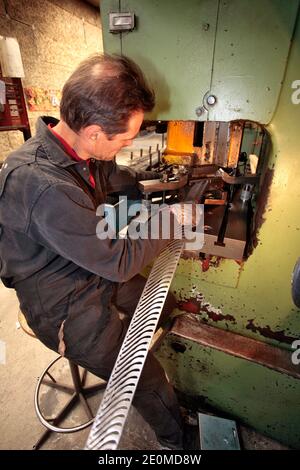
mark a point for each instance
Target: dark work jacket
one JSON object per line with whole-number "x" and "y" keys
{"x": 49, "y": 251}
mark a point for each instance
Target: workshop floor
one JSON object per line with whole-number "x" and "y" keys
{"x": 20, "y": 368}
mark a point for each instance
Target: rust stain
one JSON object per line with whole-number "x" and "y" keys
{"x": 239, "y": 262}
{"x": 210, "y": 261}
{"x": 198, "y": 305}
{"x": 268, "y": 333}
{"x": 262, "y": 206}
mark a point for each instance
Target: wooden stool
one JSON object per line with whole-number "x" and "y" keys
{"x": 78, "y": 393}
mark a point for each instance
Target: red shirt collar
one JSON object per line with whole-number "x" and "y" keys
{"x": 71, "y": 152}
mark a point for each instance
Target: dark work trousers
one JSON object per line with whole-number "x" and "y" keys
{"x": 154, "y": 397}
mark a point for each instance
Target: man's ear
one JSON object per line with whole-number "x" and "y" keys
{"x": 92, "y": 132}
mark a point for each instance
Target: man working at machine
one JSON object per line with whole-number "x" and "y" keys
{"x": 70, "y": 284}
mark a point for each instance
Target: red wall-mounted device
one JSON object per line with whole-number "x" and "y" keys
{"x": 13, "y": 114}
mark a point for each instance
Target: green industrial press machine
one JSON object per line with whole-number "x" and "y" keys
{"x": 226, "y": 74}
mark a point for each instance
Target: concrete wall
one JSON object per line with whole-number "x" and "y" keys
{"x": 54, "y": 36}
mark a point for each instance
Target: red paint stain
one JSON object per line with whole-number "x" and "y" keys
{"x": 196, "y": 306}
{"x": 205, "y": 265}
{"x": 189, "y": 306}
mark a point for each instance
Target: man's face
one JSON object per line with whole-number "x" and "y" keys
{"x": 105, "y": 148}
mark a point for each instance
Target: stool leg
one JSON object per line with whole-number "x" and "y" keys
{"x": 52, "y": 378}
{"x": 62, "y": 414}
{"x": 78, "y": 388}
{"x": 42, "y": 439}
{"x": 75, "y": 376}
